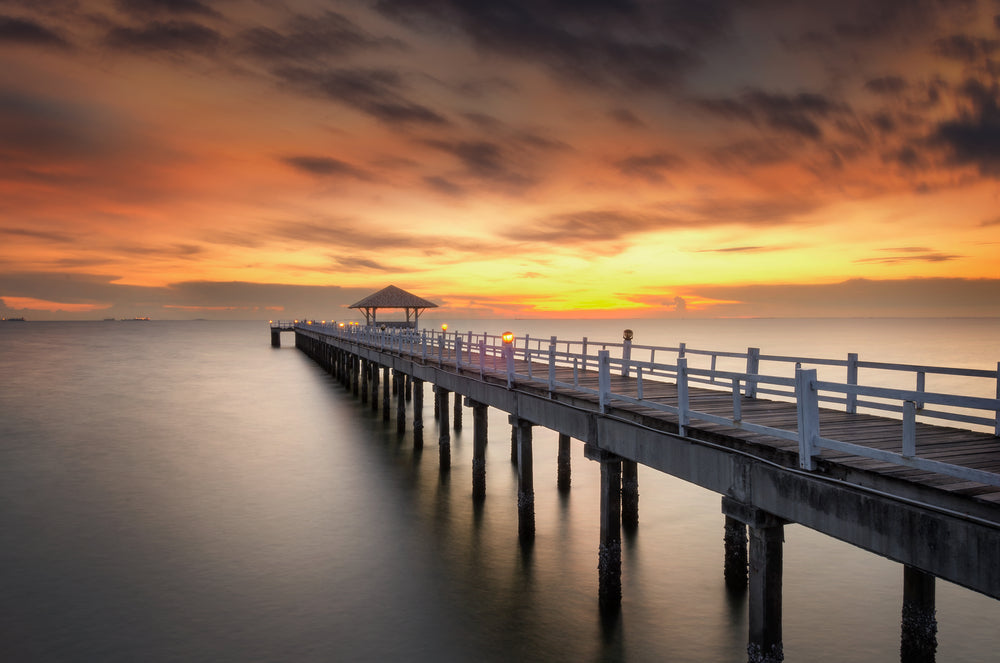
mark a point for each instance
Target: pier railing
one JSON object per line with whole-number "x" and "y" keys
{"x": 794, "y": 379}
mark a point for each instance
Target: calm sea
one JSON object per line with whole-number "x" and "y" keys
{"x": 181, "y": 491}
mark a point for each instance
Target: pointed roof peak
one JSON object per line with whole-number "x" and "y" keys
{"x": 393, "y": 297}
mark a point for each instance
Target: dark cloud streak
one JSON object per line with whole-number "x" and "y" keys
{"x": 375, "y": 92}
{"x": 22, "y": 31}
{"x": 172, "y": 37}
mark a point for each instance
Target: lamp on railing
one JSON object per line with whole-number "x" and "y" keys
{"x": 626, "y": 350}
{"x": 444, "y": 326}
{"x": 507, "y": 351}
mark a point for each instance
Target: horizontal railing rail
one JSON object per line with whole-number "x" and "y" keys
{"x": 539, "y": 360}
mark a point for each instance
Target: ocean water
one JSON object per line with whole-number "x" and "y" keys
{"x": 181, "y": 491}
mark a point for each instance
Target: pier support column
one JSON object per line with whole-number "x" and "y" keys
{"x": 365, "y": 369}
{"x": 355, "y": 374}
{"x": 513, "y": 444}
{"x": 409, "y": 388}
{"x": 418, "y": 405}
{"x": 479, "y": 436}
{"x": 385, "y": 393}
{"x": 609, "y": 552}
{"x": 275, "y": 339}
{"x": 374, "y": 386}
{"x": 444, "y": 438}
{"x": 400, "y": 404}
{"x": 458, "y": 412}
{"x": 525, "y": 481}
{"x": 563, "y": 464}
{"x": 766, "y": 538}
{"x": 630, "y": 494}
{"x": 735, "y": 551}
{"x": 918, "y": 643}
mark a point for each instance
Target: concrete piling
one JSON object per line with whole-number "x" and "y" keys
{"x": 918, "y": 642}
{"x": 400, "y": 404}
{"x": 458, "y": 413}
{"x": 609, "y": 552}
{"x": 444, "y": 438}
{"x": 735, "y": 562}
{"x": 365, "y": 370}
{"x": 479, "y": 436}
{"x": 418, "y": 406}
{"x": 630, "y": 494}
{"x": 563, "y": 464}
{"x": 525, "y": 482}
{"x": 385, "y": 393}
{"x": 766, "y": 540}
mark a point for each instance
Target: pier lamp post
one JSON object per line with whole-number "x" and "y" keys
{"x": 507, "y": 351}
{"x": 626, "y": 350}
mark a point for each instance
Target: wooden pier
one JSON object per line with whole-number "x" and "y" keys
{"x": 821, "y": 453}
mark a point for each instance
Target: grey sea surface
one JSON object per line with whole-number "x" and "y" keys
{"x": 181, "y": 491}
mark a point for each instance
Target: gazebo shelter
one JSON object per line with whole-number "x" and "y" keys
{"x": 393, "y": 297}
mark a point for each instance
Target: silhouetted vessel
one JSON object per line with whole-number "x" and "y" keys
{"x": 5, "y": 319}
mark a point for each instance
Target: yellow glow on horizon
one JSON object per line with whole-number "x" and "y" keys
{"x": 32, "y": 304}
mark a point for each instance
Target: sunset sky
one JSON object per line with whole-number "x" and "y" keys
{"x": 572, "y": 158}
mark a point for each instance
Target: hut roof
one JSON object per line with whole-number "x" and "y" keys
{"x": 393, "y": 297}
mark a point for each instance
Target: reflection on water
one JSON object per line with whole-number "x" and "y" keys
{"x": 182, "y": 491}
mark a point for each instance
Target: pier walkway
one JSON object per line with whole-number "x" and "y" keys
{"x": 864, "y": 461}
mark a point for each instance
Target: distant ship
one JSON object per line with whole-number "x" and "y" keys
{"x": 146, "y": 319}
{"x": 6, "y": 319}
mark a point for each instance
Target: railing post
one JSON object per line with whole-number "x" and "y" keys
{"x": 807, "y": 404}
{"x": 584, "y": 368}
{"x": 638, "y": 376}
{"x": 681, "y": 349}
{"x": 852, "y": 379}
{"x": 921, "y": 381}
{"x": 737, "y": 401}
{"x": 458, "y": 353}
{"x": 508, "y": 355}
{"x": 682, "y": 395}
{"x": 753, "y": 368}
{"x": 909, "y": 429}
{"x": 996, "y": 428}
{"x": 441, "y": 342}
{"x": 552, "y": 364}
{"x": 482, "y": 358}
{"x": 423, "y": 345}
{"x": 603, "y": 380}
{"x": 626, "y": 354}
{"x": 469, "y": 345}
